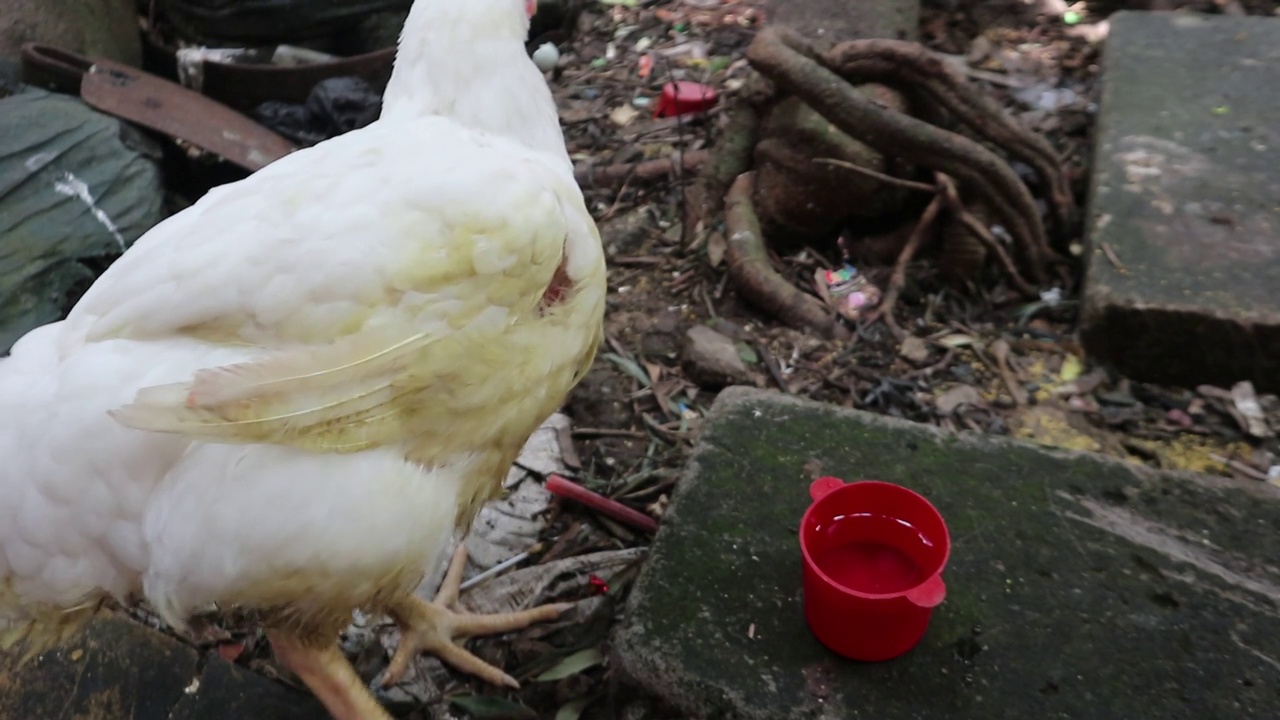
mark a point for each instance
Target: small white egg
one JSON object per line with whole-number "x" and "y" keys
{"x": 546, "y": 57}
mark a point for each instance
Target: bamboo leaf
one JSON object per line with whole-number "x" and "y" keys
{"x": 572, "y": 665}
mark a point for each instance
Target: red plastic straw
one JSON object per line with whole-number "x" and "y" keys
{"x": 601, "y": 504}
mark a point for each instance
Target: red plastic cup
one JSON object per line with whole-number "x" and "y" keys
{"x": 873, "y": 558}
{"x": 684, "y": 97}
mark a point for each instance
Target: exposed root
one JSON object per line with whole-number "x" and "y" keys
{"x": 753, "y": 275}
{"x": 787, "y": 59}
{"x": 957, "y": 208}
{"x": 898, "y": 279}
{"x": 911, "y": 68}
{"x": 732, "y": 158}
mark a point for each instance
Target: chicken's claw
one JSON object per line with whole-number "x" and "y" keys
{"x": 435, "y": 627}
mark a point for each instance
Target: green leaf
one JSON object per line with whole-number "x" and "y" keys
{"x": 572, "y": 710}
{"x": 747, "y": 353}
{"x": 629, "y": 366}
{"x": 492, "y": 707}
{"x": 572, "y": 665}
{"x": 1071, "y": 368}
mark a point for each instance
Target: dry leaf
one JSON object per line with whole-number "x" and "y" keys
{"x": 1000, "y": 348}
{"x": 1071, "y": 368}
{"x": 959, "y": 395}
{"x": 914, "y": 349}
{"x": 956, "y": 340}
{"x": 716, "y": 248}
{"x": 1084, "y": 384}
{"x": 623, "y": 115}
{"x": 1246, "y": 403}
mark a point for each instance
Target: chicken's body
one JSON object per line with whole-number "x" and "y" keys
{"x": 288, "y": 397}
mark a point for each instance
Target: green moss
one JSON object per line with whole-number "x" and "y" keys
{"x": 1045, "y": 614}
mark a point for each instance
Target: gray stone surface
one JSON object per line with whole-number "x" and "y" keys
{"x": 118, "y": 669}
{"x": 98, "y": 28}
{"x": 1077, "y": 587}
{"x": 114, "y": 669}
{"x": 711, "y": 359}
{"x": 228, "y": 692}
{"x": 1184, "y": 194}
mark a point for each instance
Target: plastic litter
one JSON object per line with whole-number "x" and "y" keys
{"x": 335, "y": 106}
{"x": 847, "y": 291}
{"x": 684, "y": 97}
{"x": 266, "y": 21}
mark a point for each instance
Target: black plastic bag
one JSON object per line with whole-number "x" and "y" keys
{"x": 271, "y": 21}
{"x": 335, "y": 106}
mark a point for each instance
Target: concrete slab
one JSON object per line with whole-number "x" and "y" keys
{"x": 118, "y": 669}
{"x": 1078, "y": 587}
{"x": 113, "y": 669}
{"x": 1183, "y": 283}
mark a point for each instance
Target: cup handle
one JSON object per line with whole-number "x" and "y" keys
{"x": 929, "y": 594}
{"x": 823, "y": 486}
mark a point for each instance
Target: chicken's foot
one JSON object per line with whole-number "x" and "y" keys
{"x": 436, "y": 628}
{"x": 331, "y": 678}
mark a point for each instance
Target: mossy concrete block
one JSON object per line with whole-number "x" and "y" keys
{"x": 1183, "y": 225}
{"x": 228, "y": 691}
{"x": 119, "y": 669}
{"x": 113, "y": 669}
{"x": 1078, "y": 587}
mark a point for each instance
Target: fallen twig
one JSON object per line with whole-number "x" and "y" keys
{"x": 891, "y": 180}
{"x": 775, "y": 370}
{"x": 589, "y": 175}
{"x": 608, "y": 432}
{"x": 984, "y": 235}
{"x": 929, "y": 370}
{"x": 898, "y": 279}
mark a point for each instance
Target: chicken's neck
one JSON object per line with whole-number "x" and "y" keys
{"x": 484, "y": 80}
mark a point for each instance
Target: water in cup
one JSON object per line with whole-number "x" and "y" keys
{"x": 873, "y": 553}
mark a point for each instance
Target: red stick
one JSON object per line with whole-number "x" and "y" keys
{"x": 601, "y": 504}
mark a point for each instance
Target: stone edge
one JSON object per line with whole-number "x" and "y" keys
{"x": 640, "y": 664}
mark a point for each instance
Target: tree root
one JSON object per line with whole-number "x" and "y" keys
{"x": 789, "y": 61}
{"x": 911, "y": 68}
{"x": 966, "y": 218}
{"x": 898, "y": 278}
{"x": 732, "y": 157}
{"x": 753, "y": 275}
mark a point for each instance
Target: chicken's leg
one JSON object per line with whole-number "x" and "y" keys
{"x": 434, "y": 627}
{"x": 326, "y": 671}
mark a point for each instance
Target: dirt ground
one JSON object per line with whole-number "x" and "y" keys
{"x": 978, "y": 359}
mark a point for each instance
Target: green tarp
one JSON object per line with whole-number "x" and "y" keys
{"x": 73, "y": 196}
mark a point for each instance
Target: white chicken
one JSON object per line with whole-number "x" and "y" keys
{"x": 286, "y": 399}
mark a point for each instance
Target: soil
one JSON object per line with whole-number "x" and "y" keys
{"x": 978, "y": 359}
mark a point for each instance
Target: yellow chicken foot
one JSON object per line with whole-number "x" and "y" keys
{"x": 434, "y": 627}
{"x": 331, "y": 678}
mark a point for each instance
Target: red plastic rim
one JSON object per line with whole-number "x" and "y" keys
{"x": 933, "y": 511}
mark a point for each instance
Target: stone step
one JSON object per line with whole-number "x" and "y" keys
{"x": 1078, "y": 587}
{"x": 1183, "y": 224}
{"x": 118, "y": 669}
